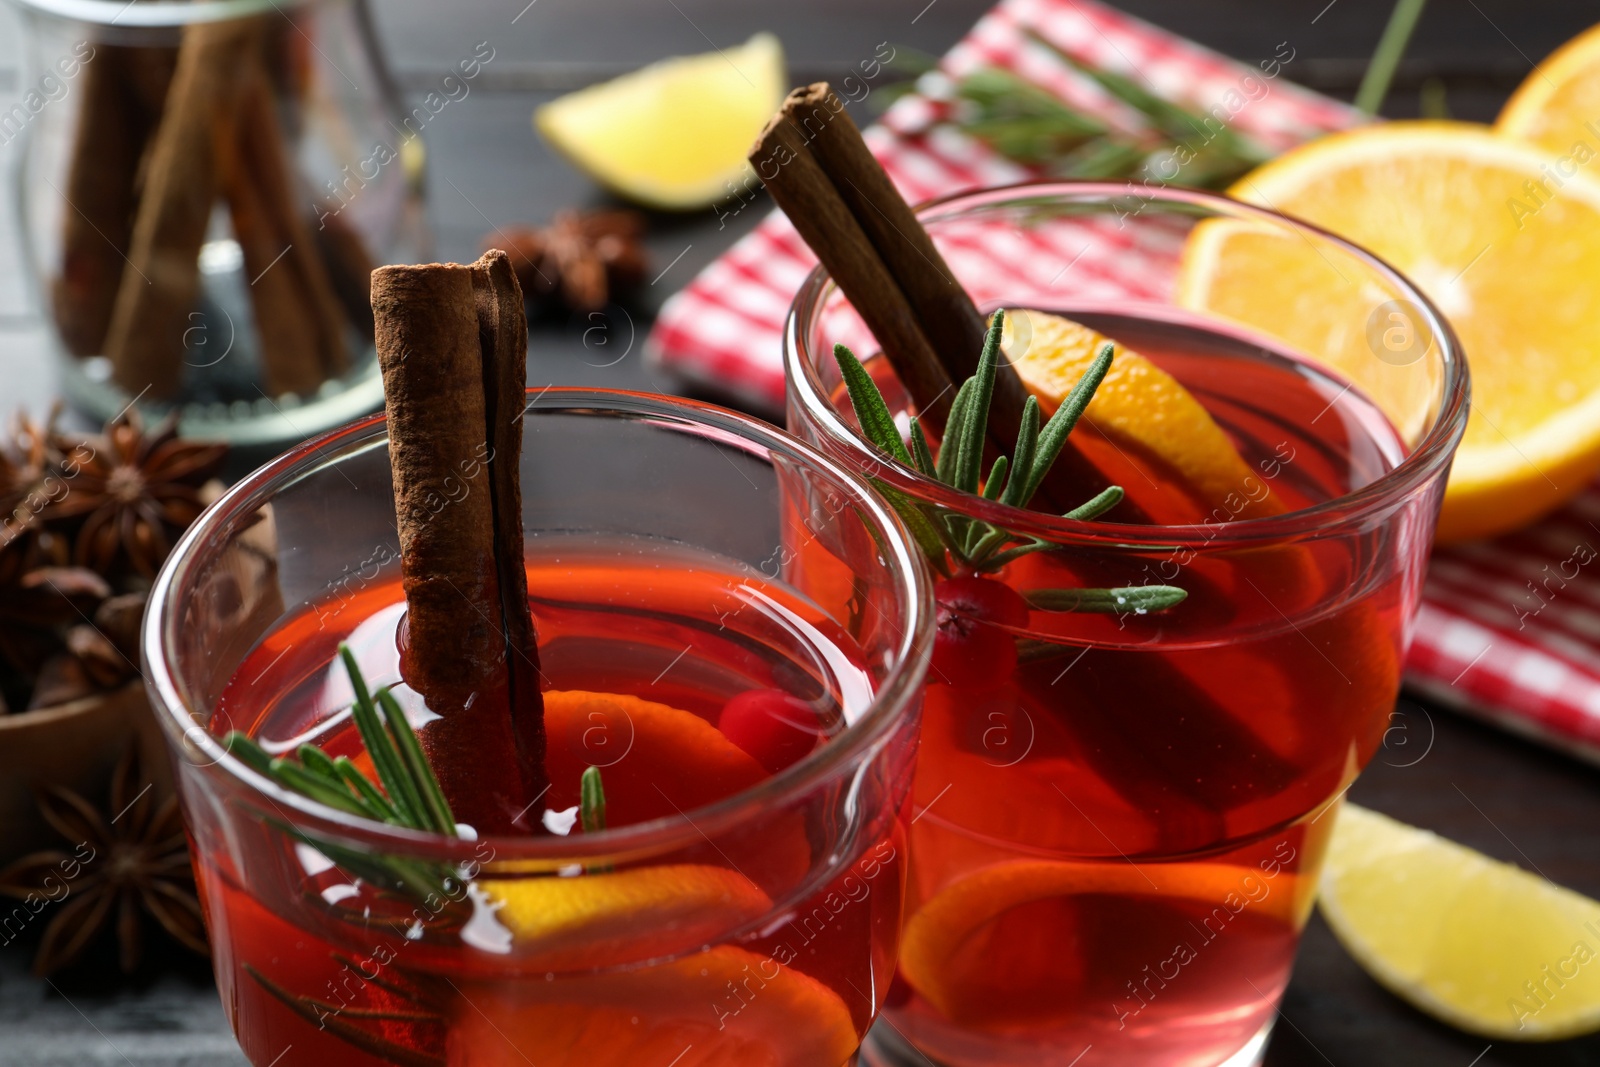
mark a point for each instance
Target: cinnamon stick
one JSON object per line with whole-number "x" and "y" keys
{"x": 816, "y": 165}
{"x": 97, "y": 227}
{"x": 826, "y": 223}
{"x": 298, "y": 317}
{"x": 452, "y": 346}
{"x": 158, "y": 290}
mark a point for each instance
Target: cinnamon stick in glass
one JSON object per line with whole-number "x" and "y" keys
{"x": 814, "y": 162}
{"x": 452, "y": 345}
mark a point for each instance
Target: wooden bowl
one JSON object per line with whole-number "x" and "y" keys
{"x": 75, "y": 745}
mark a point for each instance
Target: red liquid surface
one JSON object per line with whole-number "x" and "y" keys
{"x": 783, "y": 960}
{"x": 1116, "y": 842}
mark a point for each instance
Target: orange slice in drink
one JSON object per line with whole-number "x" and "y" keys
{"x": 599, "y": 920}
{"x": 1138, "y": 407}
{"x": 948, "y": 957}
{"x": 724, "y": 1007}
{"x": 684, "y": 761}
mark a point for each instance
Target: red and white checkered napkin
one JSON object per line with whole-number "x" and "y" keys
{"x": 1509, "y": 629}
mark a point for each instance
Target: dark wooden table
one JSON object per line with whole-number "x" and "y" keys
{"x": 1512, "y": 800}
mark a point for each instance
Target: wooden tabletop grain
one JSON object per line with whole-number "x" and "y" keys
{"x": 1510, "y": 799}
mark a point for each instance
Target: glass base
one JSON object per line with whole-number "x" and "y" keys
{"x": 887, "y": 1047}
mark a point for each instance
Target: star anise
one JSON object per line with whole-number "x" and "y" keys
{"x": 33, "y": 609}
{"x": 27, "y": 463}
{"x": 132, "y": 492}
{"x": 583, "y": 259}
{"x": 133, "y": 860}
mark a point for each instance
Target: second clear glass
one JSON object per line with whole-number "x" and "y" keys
{"x": 1122, "y": 816}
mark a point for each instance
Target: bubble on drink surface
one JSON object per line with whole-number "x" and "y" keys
{"x": 1398, "y": 332}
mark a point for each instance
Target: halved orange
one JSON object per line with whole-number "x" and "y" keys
{"x": 1508, "y": 255}
{"x": 1557, "y": 106}
{"x": 724, "y": 1007}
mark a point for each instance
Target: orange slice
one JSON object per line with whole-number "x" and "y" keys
{"x": 1556, "y": 104}
{"x": 935, "y": 954}
{"x": 656, "y": 760}
{"x": 1458, "y": 211}
{"x": 596, "y": 920}
{"x": 1138, "y": 406}
{"x": 725, "y": 1007}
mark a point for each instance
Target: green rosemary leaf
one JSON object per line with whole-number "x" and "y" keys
{"x": 249, "y": 753}
{"x": 920, "y": 452}
{"x": 1022, "y": 455}
{"x": 421, "y": 880}
{"x": 1102, "y": 502}
{"x": 871, "y": 412}
{"x": 975, "y": 430}
{"x": 923, "y": 530}
{"x": 592, "y": 802}
{"x": 436, "y": 809}
{"x": 1137, "y": 599}
{"x": 1054, "y": 435}
{"x": 1104, "y": 157}
{"x": 949, "y": 447}
{"x": 997, "y": 479}
{"x": 1000, "y": 559}
{"x": 320, "y": 764}
{"x": 359, "y": 782}
{"x": 986, "y": 545}
{"x": 391, "y": 772}
{"x": 293, "y": 776}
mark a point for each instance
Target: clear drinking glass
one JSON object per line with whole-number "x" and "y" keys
{"x": 1117, "y": 839}
{"x": 677, "y": 553}
{"x": 204, "y": 190}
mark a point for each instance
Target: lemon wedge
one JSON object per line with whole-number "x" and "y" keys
{"x": 673, "y": 135}
{"x": 1481, "y": 945}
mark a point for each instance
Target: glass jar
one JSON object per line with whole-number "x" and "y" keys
{"x": 204, "y": 191}
{"x": 1123, "y": 812}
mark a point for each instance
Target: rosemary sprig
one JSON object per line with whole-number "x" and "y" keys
{"x": 1034, "y": 127}
{"x": 410, "y": 795}
{"x": 592, "y": 802}
{"x": 957, "y": 543}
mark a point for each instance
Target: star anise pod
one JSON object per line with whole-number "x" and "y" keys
{"x": 583, "y": 259}
{"x": 27, "y": 484}
{"x": 132, "y": 859}
{"x": 133, "y": 492}
{"x": 32, "y": 611}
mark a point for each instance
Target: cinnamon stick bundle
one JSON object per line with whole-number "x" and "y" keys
{"x": 814, "y": 162}
{"x": 452, "y": 345}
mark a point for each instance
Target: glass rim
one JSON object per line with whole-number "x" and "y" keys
{"x": 155, "y": 14}
{"x": 902, "y": 684}
{"x": 1433, "y": 449}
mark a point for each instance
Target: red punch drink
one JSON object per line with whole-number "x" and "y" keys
{"x": 1121, "y": 804}
{"x": 731, "y": 638}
